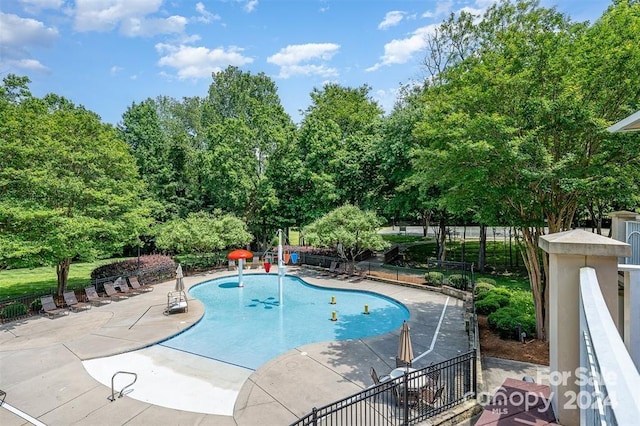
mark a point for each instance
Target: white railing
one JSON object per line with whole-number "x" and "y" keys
{"x": 610, "y": 383}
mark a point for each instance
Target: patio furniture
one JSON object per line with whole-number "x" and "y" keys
{"x": 377, "y": 379}
{"x": 50, "y": 308}
{"x": 113, "y": 293}
{"x": 94, "y": 298}
{"x": 121, "y": 283}
{"x": 72, "y": 303}
{"x": 135, "y": 284}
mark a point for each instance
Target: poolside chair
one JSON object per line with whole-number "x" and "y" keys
{"x": 428, "y": 396}
{"x": 72, "y": 302}
{"x": 333, "y": 266}
{"x": 50, "y": 308}
{"x": 339, "y": 269}
{"x": 113, "y": 293}
{"x": 377, "y": 379}
{"x": 401, "y": 363}
{"x": 135, "y": 284}
{"x": 121, "y": 283}
{"x": 94, "y": 298}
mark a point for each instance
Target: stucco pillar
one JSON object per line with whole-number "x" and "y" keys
{"x": 568, "y": 252}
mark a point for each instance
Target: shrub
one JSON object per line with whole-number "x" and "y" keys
{"x": 36, "y": 305}
{"x": 482, "y": 289}
{"x": 434, "y": 278}
{"x": 486, "y": 280}
{"x": 507, "y": 319}
{"x": 153, "y": 269}
{"x": 13, "y": 310}
{"x": 493, "y": 300}
{"x": 458, "y": 281}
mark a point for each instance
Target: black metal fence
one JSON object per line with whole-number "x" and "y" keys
{"x": 412, "y": 398}
{"x": 16, "y": 308}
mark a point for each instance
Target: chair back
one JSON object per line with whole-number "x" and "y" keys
{"x": 109, "y": 289}
{"x": 91, "y": 293}
{"x": 431, "y": 395}
{"x": 374, "y": 376}
{"x": 134, "y": 283}
{"x": 70, "y": 298}
{"x": 48, "y": 304}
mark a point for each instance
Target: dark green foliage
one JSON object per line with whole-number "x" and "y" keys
{"x": 486, "y": 280}
{"x": 36, "y": 305}
{"x": 434, "y": 278}
{"x": 13, "y": 310}
{"x": 490, "y": 300}
{"x": 482, "y": 288}
{"x": 518, "y": 311}
{"x": 153, "y": 268}
{"x": 506, "y": 320}
{"x": 459, "y": 281}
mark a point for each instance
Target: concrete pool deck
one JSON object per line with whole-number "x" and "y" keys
{"x": 54, "y": 370}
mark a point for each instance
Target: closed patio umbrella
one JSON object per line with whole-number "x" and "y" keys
{"x": 405, "y": 349}
{"x": 179, "y": 278}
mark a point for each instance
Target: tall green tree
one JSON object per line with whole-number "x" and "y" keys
{"x": 245, "y": 125}
{"x": 337, "y": 138}
{"x": 517, "y": 127}
{"x": 69, "y": 186}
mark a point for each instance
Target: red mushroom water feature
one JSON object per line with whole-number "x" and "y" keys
{"x": 240, "y": 255}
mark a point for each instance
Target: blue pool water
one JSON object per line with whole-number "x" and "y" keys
{"x": 246, "y": 326}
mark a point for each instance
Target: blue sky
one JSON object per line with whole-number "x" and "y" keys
{"x": 106, "y": 54}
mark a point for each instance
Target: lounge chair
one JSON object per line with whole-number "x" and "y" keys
{"x": 94, "y": 298}
{"x": 113, "y": 293}
{"x": 50, "y": 308}
{"x": 72, "y": 302}
{"x": 135, "y": 284}
{"x": 121, "y": 284}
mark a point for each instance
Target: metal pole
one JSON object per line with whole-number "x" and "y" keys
{"x": 280, "y": 268}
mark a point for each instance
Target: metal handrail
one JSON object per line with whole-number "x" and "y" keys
{"x": 112, "y": 397}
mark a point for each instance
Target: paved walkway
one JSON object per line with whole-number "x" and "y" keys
{"x": 48, "y": 367}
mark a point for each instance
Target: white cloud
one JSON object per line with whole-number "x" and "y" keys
{"x": 29, "y": 64}
{"x": 442, "y": 8}
{"x": 136, "y": 27}
{"x": 199, "y": 62}
{"x": 401, "y": 51}
{"x": 251, "y": 6}
{"x": 19, "y": 32}
{"x": 205, "y": 15}
{"x": 128, "y": 15}
{"x": 34, "y": 6}
{"x": 115, "y": 70}
{"x": 391, "y": 19}
{"x": 293, "y": 59}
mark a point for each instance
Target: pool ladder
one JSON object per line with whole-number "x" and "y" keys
{"x": 113, "y": 397}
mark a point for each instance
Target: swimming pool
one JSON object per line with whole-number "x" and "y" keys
{"x": 246, "y": 326}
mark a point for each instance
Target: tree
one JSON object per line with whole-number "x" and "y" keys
{"x": 202, "y": 233}
{"x": 336, "y": 139}
{"x": 70, "y": 187}
{"x": 517, "y": 127}
{"x": 348, "y": 229}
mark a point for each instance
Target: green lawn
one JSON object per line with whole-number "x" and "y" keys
{"x": 17, "y": 282}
